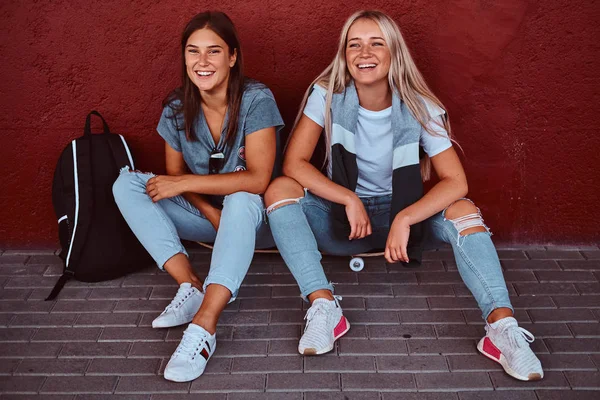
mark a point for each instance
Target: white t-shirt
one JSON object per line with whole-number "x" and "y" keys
{"x": 374, "y": 142}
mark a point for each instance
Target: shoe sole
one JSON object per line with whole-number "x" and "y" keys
{"x": 311, "y": 351}
{"x": 174, "y": 379}
{"x": 502, "y": 361}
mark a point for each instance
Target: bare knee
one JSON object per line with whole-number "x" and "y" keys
{"x": 283, "y": 188}
{"x": 466, "y": 217}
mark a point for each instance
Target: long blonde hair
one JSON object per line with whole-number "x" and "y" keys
{"x": 404, "y": 78}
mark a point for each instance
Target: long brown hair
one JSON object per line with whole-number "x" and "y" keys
{"x": 189, "y": 95}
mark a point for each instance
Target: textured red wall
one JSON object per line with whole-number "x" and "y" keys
{"x": 519, "y": 79}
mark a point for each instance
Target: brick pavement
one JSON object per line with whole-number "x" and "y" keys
{"x": 413, "y": 333}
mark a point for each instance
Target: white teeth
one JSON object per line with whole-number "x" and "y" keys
{"x": 204, "y": 73}
{"x": 361, "y": 66}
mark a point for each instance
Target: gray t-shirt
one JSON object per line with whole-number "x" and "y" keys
{"x": 257, "y": 111}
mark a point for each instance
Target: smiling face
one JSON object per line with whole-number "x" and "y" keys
{"x": 367, "y": 54}
{"x": 208, "y": 60}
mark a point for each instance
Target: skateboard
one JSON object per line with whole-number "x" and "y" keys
{"x": 357, "y": 263}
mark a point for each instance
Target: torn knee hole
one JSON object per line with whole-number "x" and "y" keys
{"x": 281, "y": 203}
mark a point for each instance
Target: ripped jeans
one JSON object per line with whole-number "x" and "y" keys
{"x": 159, "y": 227}
{"x": 304, "y": 227}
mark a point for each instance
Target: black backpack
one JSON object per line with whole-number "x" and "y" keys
{"x": 96, "y": 242}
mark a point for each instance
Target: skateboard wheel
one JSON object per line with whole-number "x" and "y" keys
{"x": 357, "y": 264}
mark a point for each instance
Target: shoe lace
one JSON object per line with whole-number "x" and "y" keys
{"x": 180, "y": 297}
{"x": 191, "y": 344}
{"x": 517, "y": 336}
{"x": 318, "y": 311}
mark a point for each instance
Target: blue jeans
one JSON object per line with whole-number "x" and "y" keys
{"x": 303, "y": 228}
{"x": 159, "y": 227}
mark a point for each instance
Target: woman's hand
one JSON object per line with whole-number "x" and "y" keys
{"x": 395, "y": 246}
{"x": 360, "y": 225}
{"x": 164, "y": 186}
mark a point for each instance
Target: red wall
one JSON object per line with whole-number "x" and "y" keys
{"x": 519, "y": 79}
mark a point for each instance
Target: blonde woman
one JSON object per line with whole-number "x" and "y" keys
{"x": 377, "y": 113}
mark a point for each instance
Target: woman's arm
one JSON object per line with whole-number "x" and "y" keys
{"x": 297, "y": 166}
{"x": 451, "y": 187}
{"x": 260, "y": 157}
{"x": 176, "y": 167}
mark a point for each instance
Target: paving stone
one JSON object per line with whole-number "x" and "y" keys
{"x": 567, "y": 394}
{"x": 583, "y": 379}
{"x": 268, "y": 304}
{"x": 66, "y": 293}
{"x": 420, "y": 396}
{"x": 439, "y": 278}
{"x": 28, "y": 252}
{"x": 55, "y": 270}
{"x": 261, "y": 292}
{"x": 113, "y": 397}
{"x": 283, "y": 347}
{"x": 580, "y": 265}
{"x": 498, "y": 395}
{"x": 269, "y": 396}
{"x": 565, "y": 276}
{"x": 364, "y": 290}
{"x": 552, "y": 379}
{"x": 536, "y": 289}
{"x": 263, "y": 332}
{"x": 20, "y": 384}
{"x": 113, "y": 334}
{"x": 16, "y": 334}
{"x": 374, "y": 381}
{"x": 459, "y": 331}
{"x": 153, "y": 349}
{"x": 86, "y": 350}
{"x": 9, "y": 365}
{"x": 453, "y": 381}
{"x": 591, "y": 254}
{"x": 461, "y": 290}
{"x": 371, "y": 317}
{"x": 333, "y": 363}
{"x": 530, "y": 302}
{"x": 402, "y": 331}
{"x": 432, "y": 317}
{"x": 536, "y": 265}
{"x": 422, "y": 291}
{"x": 19, "y": 269}
{"x": 585, "y": 330}
{"x": 588, "y": 288}
{"x": 544, "y": 330}
{"x": 475, "y": 317}
{"x": 358, "y": 332}
{"x": 133, "y": 293}
{"x": 513, "y": 276}
{"x": 270, "y": 280}
{"x": 244, "y": 318}
{"x": 562, "y": 315}
{"x": 266, "y": 364}
{"x": 84, "y": 306}
{"x": 156, "y": 306}
{"x": 79, "y": 384}
{"x": 230, "y": 383}
{"x": 49, "y": 366}
{"x": 304, "y": 382}
{"x": 150, "y": 280}
{"x": 124, "y": 366}
{"x": 66, "y": 335}
{"x": 397, "y": 303}
{"x": 341, "y": 396}
{"x": 14, "y": 350}
{"x": 278, "y": 291}
{"x": 472, "y": 363}
{"x": 374, "y": 347}
{"x": 287, "y": 317}
{"x": 14, "y": 294}
{"x": 435, "y": 347}
{"x": 561, "y": 362}
{"x": 16, "y": 306}
{"x": 446, "y": 254}
{"x": 5, "y": 319}
{"x": 554, "y": 254}
{"x": 45, "y": 259}
{"x": 150, "y": 384}
{"x": 48, "y": 320}
{"x": 108, "y": 319}
{"x": 386, "y": 279}
{"x": 413, "y": 364}
{"x": 242, "y": 348}
{"x": 7, "y": 258}
{"x": 455, "y": 303}
{"x": 577, "y": 301}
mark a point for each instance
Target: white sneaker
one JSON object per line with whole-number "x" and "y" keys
{"x": 182, "y": 308}
{"x": 508, "y": 344}
{"x": 325, "y": 324}
{"x": 192, "y": 354}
